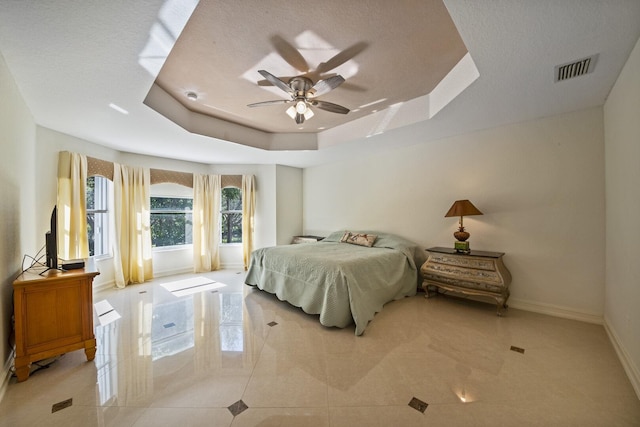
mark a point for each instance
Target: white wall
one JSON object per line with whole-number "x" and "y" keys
{"x": 539, "y": 184}
{"x": 18, "y": 234}
{"x": 622, "y": 149}
{"x": 288, "y": 204}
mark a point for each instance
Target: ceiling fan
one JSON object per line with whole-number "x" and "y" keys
{"x": 303, "y": 94}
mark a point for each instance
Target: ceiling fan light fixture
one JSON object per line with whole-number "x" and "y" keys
{"x": 303, "y": 92}
{"x": 298, "y": 109}
{"x": 301, "y": 107}
{"x": 308, "y": 114}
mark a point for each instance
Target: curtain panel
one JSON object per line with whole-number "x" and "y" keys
{"x": 248, "y": 211}
{"x": 130, "y": 223}
{"x": 132, "y": 254}
{"x": 71, "y": 205}
{"x": 206, "y": 222}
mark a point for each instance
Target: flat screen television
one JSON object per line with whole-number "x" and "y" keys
{"x": 51, "y": 241}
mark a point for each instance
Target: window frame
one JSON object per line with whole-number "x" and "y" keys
{"x": 101, "y": 216}
{"x": 230, "y": 211}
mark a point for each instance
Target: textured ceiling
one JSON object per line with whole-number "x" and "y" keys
{"x": 71, "y": 59}
{"x": 387, "y": 54}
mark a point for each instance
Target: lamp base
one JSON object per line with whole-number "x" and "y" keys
{"x": 462, "y": 247}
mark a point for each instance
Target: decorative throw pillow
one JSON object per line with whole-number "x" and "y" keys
{"x": 359, "y": 239}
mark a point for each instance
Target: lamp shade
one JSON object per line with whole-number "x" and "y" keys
{"x": 463, "y": 208}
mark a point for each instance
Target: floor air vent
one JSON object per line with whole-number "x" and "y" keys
{"x": 575, "y": 68}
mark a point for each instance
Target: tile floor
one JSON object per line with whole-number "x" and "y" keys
{"x": 236, "y": 356}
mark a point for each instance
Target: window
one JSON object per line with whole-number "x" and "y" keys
{"x": 171, "y": 221}
{"x": 231, "y": 215}
{"x": 97, "y": 199}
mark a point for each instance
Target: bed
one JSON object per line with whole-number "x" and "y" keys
{"x": 344, "y": 283}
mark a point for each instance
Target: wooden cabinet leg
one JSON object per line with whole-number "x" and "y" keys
{"x": 22, "y": 366}
{"x": 90, "y": 350}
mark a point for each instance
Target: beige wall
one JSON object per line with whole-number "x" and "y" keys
{"x": 539, "y": 184}
{"x": 622, "y": 143}
{"x": 288, "y": 203}
{"x": 17, "y": 203}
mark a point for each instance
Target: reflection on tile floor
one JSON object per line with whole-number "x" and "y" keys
{"x": 235, "y": 356}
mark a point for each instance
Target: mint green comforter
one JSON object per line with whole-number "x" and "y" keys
{"x": 342, "y": 282}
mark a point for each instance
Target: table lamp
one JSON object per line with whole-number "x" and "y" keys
{"x": 461, "y": 208}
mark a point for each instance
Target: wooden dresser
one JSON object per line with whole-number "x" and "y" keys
{"x": 477, "y": 273}
{"x": 53, "y": 315}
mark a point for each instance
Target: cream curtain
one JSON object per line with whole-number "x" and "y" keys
{"x": 132, "y": 243}
{"x": 72, "y": 208}
{"x": 248, "y": 211}
{"x": 206, "y": 222}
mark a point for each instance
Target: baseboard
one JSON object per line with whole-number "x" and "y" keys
{"x": 156, "y": 274}
{"x": 112, "y": 283}
{"x": 232, "y": 267}
{"x": 6, "y": 375}
{"x": 555, "y": 310}
{"x": 173, "y": 272}
{"x": 633, "y": 371}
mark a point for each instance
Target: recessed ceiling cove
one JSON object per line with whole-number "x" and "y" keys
{"x": 387, "y": 55}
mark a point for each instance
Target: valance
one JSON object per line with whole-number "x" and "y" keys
{"x": 105, "y": 168}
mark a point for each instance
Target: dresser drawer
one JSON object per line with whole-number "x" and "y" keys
{"x": 444, "y": 270}
{"x": 464, "y": 261}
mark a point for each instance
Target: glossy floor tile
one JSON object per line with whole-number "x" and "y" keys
{"x": 207, "y": 350}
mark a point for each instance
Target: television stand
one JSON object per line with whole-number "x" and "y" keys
{"x": 53, "y": 314}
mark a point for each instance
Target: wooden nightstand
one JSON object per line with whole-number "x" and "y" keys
{"x": 477, "y": 273}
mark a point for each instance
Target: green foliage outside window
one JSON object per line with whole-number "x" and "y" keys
{"x": 231, "y": 215}
{"x": 90, "y": 204}
{"x": 97, "y": 215}
{"x": 171, "y": 218}
{"x": 90, "y": 193}
{"x": 171, "y": 221}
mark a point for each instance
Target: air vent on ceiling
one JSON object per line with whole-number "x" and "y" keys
{"x": 575, "y": 68}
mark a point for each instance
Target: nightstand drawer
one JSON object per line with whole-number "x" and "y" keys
{"x": 464, "y": 261}
{"x": 436, "y": 269}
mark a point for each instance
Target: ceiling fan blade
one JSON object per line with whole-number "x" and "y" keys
{"x": 264, "y": 103}
{"x": 264, "y": 82}
{"x": 289, "y": 53}
{"x": 341, "y": 57}
{"x": 299, "y": 118}
{"x": 330, "y": 106}
{"x": 347, "y": 85}
{"x": 324, "y": 86}
{"x": 275, "y": 81}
